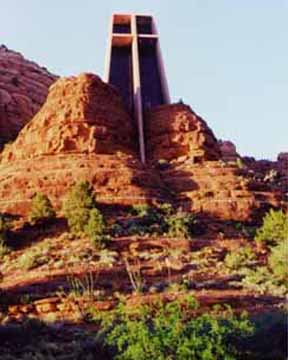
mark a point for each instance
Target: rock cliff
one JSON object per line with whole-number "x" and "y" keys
{"x": 23, "y": 89}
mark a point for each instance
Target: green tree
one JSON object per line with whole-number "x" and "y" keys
{"x": 95, "y": 229}
{"x": 274, "y": 229}
{"x": 41, "y": 208}
{"x": 77, "y": 206}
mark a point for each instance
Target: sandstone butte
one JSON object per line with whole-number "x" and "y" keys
{"x": 83, "y": 132}
{"x": 23, "y": 89}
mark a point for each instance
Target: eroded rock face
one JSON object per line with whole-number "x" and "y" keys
{"x": 174, "y": 131}
{"x": 81, "y": 115}
{"x": 23, "y": 89}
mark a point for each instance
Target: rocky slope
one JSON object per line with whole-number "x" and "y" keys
{"x": 23, "y": 89}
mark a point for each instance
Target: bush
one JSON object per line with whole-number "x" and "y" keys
{"x": 41, "y": 208}
{"x": 278, "y": 262}
{"x": 95, "y": 229}
{"x": 4, "y": 227}
{"x": 166, "y": 208}
{"x": 140, "y": 209}
{"x": 4, "y": 249}
{"x": 274, "y": 229}
{"x": 240, "y": 258}
{"x": 262, "y": 281}
{"x": 170, "y": 332}
{"x": 83, "y": 216}
{"x": 272, "y": 278}
{"x": 156, "y": 220}
{"x": 32, "y": 258}
{"x": 180, "y": 225}
{"x": 77, "y": 206}
{"x": 117, "y": 230}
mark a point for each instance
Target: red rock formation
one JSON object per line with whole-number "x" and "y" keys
{"x": 269, "y": 174}
{"x": 199, "y": 181}
{"x": 23, "y": 89}
{"x": 82, "y": 132}
{"x": 228, "y": 150}
{"x": 282, "y": 163}
{"x": 81, "y": 115}
{"x": 174, "y": 131}
{"x": 217, "y": 190}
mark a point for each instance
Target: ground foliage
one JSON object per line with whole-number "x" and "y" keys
{"x": 169, "y": 331}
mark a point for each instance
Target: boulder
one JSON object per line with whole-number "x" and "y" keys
{"x": 228, "y": 150}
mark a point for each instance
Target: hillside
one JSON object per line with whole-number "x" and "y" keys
{"x": 183, "y": 223}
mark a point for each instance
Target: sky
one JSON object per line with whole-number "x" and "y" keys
{"x": 227, "y": 59}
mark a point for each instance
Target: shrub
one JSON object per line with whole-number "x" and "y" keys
{"x": 274, "y": 229}
{"x": 77, "y": 206}
{"x": 100, "y": 241}
{"x": 140, "y": 209}
{"x": 95, "y": 229}
{"x": 83, "y": 216}
{"x": 166, "y": 208}
{"x": 273, "y": 278}
{"x": 41, "y": 208}
{"x": 4, "y": 249}
{"x": 240, "y": 258}
{"x": 263, "y": 281}
{"x": 278, "y": 262}
{"x": 95, "y": 225}
{"x": 170, "y": 332}
{"x": 149, "y": 220}
{"x": 4, "y": 227}
{"x": 32, "y": 259}
{"x": 180, "y": 225}
{"x": 117, "y": 230}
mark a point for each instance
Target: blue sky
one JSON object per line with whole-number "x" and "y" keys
{"x": 228, "y": 59}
